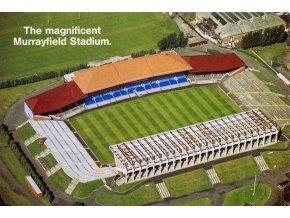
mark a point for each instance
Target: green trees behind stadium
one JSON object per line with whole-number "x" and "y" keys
{"x": 264, "y": 37}
{"x": 172, "y": 41}
{"x": 38, "y": 77}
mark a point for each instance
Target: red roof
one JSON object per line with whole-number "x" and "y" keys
{"x": 214, "y": 63}
{"x": 55, "y": 99}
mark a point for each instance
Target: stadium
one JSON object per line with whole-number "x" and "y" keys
{"x": 143, "y": 117}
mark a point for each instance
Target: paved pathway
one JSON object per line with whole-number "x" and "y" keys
{"x": 71, "y": 187}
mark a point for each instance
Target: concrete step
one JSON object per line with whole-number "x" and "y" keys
{"x": 162, "y": 189}
{"x": 261, "y": 163}
{"x": 212, "y": 175}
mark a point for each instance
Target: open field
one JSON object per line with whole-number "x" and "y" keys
{"x": 150, "y": 115}
{"x": 144, "y": 195}
{"x": 11, "y": 95}
{"x": 244, "y": 195}
{"x": 127, "y": 32}
{"x": 60, "y": 180}
{"x": 187, "y": 183}
{"x": 277, "y": 159}
{"x": 196, "y": 202}
{"x": 35, "y": 148}
{"x": 83, "y": 190}
{"x": 236, "y": 170}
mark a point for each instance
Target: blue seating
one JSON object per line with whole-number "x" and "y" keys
{"x": 182, "y": 79}
{"x": 116, "y": 93}
{"x": 154, "y": 85}
{"x": 140, "y": 89}
{"x": 131, "y": 90}
{"x": 123, "y": 92}
{"x": 107, "y": 96}
{"x": 164, "y": 83}
{"x": 172, "y": 81}
{"x": 98, "y": 99}
{"x": 89, "y": 101}
{"x": 148, "y": 86}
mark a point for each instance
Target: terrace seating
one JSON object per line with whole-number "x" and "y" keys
{"x": 145, "y": 86}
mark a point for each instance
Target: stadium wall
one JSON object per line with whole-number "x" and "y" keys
{"x": 28, "y": 111}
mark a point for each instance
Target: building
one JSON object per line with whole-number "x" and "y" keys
{"x": 33, "y": 187}
{"x": 192, "y": 145}
{"x": 230, "y": 27}
{"x": 117, "y": 81}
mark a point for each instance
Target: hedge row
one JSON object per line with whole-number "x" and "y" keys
{"x": 26, "y": 163}
{"x": 38, "y": 77}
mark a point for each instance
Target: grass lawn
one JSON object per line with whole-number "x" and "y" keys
{"x": 11, "y": 95}
{"x": 279, "y": 145}
{"x": 236, "y": 170}
{"x": 35, "y": 148}
{"x": 196, "y": 202}
{"x": 150, "y": 115}
{"x": 125, "y": 187}
{"x": 277, "y": 159}
{"x": 26, "y": 131}
{"x": 127, "y": 32}
{"x": 271, "y": 51}
{"x": 60, "y": 180}
{"x": 10, "y": 197}
{"x": 83, "y": 190}
{"x": 286, "y": 130}
{"x": 50, "y": 160}
{"x": 244, "y": 195}
{"x": 144, "y": 195}
{"x": 187, "y": 183}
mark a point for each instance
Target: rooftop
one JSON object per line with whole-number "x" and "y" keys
{"x": 192, "y": 139}
{"x": 234, "y": 23}
{"x": 214, "y": 63}
{"x": 113, "y": 74}
{"x": 55, "y": 99}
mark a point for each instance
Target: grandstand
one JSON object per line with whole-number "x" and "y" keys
{"x": 192, "y": 145}
{"x": 113, "y": 82}
{"x": 69, "y": 152}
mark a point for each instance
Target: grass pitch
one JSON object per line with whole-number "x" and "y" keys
{"x": 127, "y": 32}
{"x": 35, "y": 148}
{"x": 150, "y": 115}
{"x": 60, "y": 180}
{"x": 26, "y": 131}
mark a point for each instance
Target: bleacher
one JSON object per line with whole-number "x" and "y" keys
{"x": 130, "y": 90}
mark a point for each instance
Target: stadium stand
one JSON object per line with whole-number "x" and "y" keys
{"x": 113, "y": 82}
{"x": 69, "y": 152}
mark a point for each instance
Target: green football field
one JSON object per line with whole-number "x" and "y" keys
{"x": 128, "y": 33}
{"x": 150, "y": 115}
